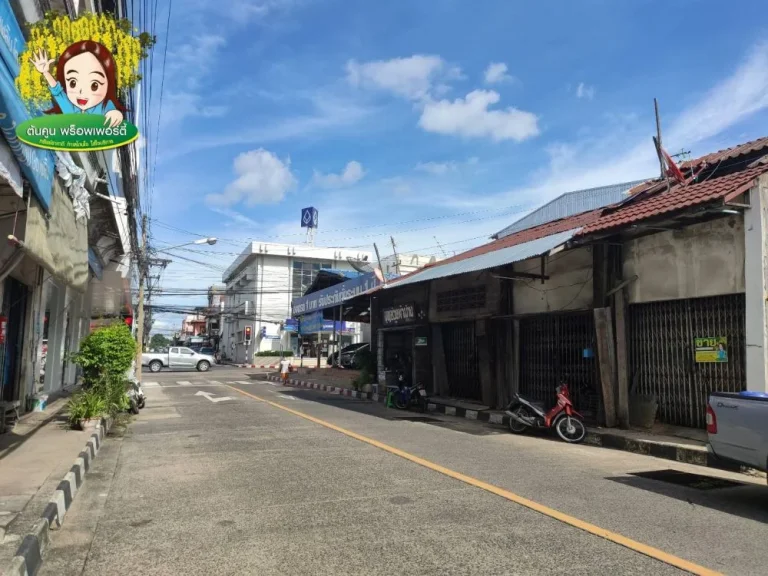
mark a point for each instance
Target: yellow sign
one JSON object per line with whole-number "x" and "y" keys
{"x": 711, "y": 349}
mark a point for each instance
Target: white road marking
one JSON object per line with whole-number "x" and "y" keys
{"x": 242, "y": 382}
{"x": 150, "y": 384}
{"x": 211, "y": 398}
{"x": 184, "y": 383}
{"x": 287, "y": 396}
{"x": 215, "y": 382}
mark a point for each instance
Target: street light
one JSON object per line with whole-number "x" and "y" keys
{"x": 210, "y": 241}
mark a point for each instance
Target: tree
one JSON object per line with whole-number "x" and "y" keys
{"x": 158, "y": 341}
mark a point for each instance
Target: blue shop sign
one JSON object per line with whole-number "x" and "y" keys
{"x": 314, "y": 323}
{"x": 95, "y": 264}
{"x": 335, "y": 295}
{"x": 36, "y": 164}
{"x": 291, "y": 325}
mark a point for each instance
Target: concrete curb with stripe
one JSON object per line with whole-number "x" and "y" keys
{"x": 601, "y": 437}
{"x": 29, "y": 555}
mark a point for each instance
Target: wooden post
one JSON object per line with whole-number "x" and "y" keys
{"x": 622, "y": 366}
{"x": 607, "y": 361}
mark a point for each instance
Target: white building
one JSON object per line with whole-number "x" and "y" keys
{"x": 260, "y": 285}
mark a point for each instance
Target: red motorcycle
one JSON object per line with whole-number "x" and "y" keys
{"x": 567, "y": 422}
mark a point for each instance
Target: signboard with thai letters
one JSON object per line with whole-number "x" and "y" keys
{"x": 398, "y": 315}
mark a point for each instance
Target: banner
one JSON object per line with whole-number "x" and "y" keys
{"x": 36, "y": 165}
{"x": 334, "y": 295}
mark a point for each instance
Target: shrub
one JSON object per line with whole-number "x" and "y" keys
{"x": 106, "y": 354}
{"x": 86, "y": 405}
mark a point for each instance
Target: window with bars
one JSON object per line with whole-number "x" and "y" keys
{"x": 304, "y": 273}
{"x": 463, "y": 299}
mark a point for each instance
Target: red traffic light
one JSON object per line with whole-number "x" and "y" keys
{"x": 247, "y": 332}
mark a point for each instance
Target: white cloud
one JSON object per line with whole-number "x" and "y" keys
{"x": 729, "y": 102}
{"x": 471, "y": 117}
{"x": 235, "y": 216}
{"x": 190, "y": 62}
{"x": 180, "y": 105}
{"x": 353, "y": 172}
{"x": 584, "y": 91}
{"x": 437, "y": 168}
{"x": 414, "y": 77}
{"x": 497, "y": 72}
{"x": 262, "y": 178}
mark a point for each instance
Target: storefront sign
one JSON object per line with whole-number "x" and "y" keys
{"x": 315, "y": 323}
{"x": 400, "y": 314}
{"x": 291, "y": 325}
{"x": 71, "y": 75}
{"x": 36, "y": 165}
{"x": 420, "y": 341}
{"x": 334, "y": 295}
{"x": 711, "y": 349}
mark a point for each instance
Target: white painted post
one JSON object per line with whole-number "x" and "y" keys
{"x": 756, "y": 284}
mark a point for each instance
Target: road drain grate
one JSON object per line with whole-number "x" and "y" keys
{"x": 687, "y": 479}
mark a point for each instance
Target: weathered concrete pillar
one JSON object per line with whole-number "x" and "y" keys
{"x": 756, "y": 283}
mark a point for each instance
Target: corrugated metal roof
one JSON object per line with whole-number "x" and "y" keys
{"x": 569, "y": 204}
{"x": 488, "y": 260}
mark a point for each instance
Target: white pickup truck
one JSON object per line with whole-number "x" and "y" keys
{"x": 737, "y": 426}
{"x": 177, "y": 357}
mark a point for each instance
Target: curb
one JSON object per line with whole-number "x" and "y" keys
{"x": 325, "y": 388}
{"x": 595, "y": 437}
{"x": 29, "y": 555}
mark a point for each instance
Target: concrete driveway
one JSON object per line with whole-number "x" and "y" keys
{"x": 329, "y": 485}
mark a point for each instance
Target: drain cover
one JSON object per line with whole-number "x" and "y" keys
{"x": 696, "y": 481}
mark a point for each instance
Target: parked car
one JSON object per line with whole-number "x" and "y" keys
{"x": 348, "y": 355}
{"x": 178, "y": 357}
{"x": 737, "y": 428}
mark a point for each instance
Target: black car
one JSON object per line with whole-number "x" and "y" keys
{"x": 347, "y": 355}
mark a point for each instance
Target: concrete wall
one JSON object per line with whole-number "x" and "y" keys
{"x": 756, "y": 282}
{"x": 704, "y": 259}
{"x": 569, "y": 286}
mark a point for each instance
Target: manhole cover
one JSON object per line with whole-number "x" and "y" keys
{"x": 697, "y": 481}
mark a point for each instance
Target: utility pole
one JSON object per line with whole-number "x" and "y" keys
{"x": 397, "y": 258}
{"x": 378, "y": 258}
{"x": 142, "y": 262}
{"x": 657, "y": 140}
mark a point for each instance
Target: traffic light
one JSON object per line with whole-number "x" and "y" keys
{"x": 247, "y": 333}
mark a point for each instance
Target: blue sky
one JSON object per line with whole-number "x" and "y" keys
{"x": 385, "y": 113}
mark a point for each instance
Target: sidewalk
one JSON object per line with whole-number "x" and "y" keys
{"x": 663, "y": 441}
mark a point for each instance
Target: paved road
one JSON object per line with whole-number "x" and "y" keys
{"x": 242, "y": 486}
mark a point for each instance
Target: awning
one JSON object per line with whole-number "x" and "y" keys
{"x": 488, "y": 260}
{"x": 10, "y": 172}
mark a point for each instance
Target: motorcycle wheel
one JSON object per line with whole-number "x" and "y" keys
{"x": 571, "y": 429}
{"x": 423, "y": 405}
{"x": 400, "y": 402}
{"x": 134, "y": 409}
{"x": 516, "y": 427}
{"x": 142, "y": 402}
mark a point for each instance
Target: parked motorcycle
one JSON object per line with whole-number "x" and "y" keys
{"x": 136, "y": 396}
{"x": 568, "y": 423}
{"x": 405, "y": 396}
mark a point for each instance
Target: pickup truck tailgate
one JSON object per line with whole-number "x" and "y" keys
{"x": 739, "y": 430}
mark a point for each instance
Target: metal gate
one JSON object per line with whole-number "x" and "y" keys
{"x": 461, "y": 360}
{"x": 552, "y": 348}
{"x": 662, "y": 359}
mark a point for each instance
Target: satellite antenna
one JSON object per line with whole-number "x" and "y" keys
{"x": 360, "y": 265}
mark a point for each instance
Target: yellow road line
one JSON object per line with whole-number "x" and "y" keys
{"x": 649, "y": 551}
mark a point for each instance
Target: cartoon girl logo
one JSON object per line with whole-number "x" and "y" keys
{"x": 84, "y": 83}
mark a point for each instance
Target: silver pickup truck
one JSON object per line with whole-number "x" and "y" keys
{"x": 177, "y": 357}
{"x": 737, "y": 426}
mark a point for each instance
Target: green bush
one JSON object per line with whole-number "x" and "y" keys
{"x": 106, "y": 354}
{"x": 365, "y": 360}
{"x": 274, "y": 354}
{"x": 85, "y": 405}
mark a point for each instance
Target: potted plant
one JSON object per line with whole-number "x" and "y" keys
{"x": 86, "y": 409}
